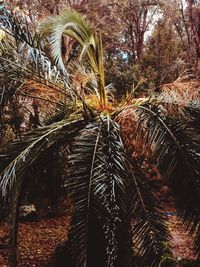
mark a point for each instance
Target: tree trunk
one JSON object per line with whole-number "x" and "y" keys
{"x": 14, "y": 221}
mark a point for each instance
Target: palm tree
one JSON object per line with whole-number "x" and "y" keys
{"x": 115, "y": 214}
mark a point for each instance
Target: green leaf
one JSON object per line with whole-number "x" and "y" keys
{"x": 97, "y": 185}
{"x": 21, "y": 154}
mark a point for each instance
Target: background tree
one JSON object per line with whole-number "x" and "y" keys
{"x": 125, "y": 26}
{"x": 164, "y": 54}
{"x": 184, "y": 16}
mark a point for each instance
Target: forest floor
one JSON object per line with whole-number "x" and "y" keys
{"x": 38, "y": 239}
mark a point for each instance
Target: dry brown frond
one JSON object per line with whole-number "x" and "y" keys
{"x": 48, "y": 92}
{"x": 130, "y": 133}
{"x": 182, "y": 90}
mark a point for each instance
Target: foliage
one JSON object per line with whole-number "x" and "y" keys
{"x": 164, "y": 54}
{"x": 110, "y": 189}
{"x": 126, "y": 27}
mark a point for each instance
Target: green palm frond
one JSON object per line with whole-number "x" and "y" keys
{"x": 97, "y": 184}
{"x": 74, "y": 25}
{"x": 150, "y": 232}
{"x": 176, "y": 150}
{"x": 21, "y": 154}
{"x": 18, "y": 28}
{"x": 15, "y": 71}
{"x": 23, "y": 58}
{"x": 110, "y": 186}
{"x": 194, "y": 113}
{"x": 58, "y": 114}
{"x": 79, "y": 186}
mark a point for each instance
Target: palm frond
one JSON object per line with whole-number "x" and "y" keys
{"x": 57, "y": 115}
{"x": 17, "y": 159}
{"x": 36, "y": 67}
{"x": 184, "y": 90}
{"x": 71, "y": 23}
{"x": 175, "y": 148}
{"x": 21, "y": 154}
{"x": 17, "y": 27}
{"x": 110, "y": 188}
{"x": 179, "y": 98}
{"x": 21, "y": 43}
{"x": 80, "y": 190}
{"x": 150, "y": 232}
{"x": 98, "y": 190}
{"x": 74, "y": 25}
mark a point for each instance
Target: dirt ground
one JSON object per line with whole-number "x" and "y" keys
{"x": 38, "y": 239}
